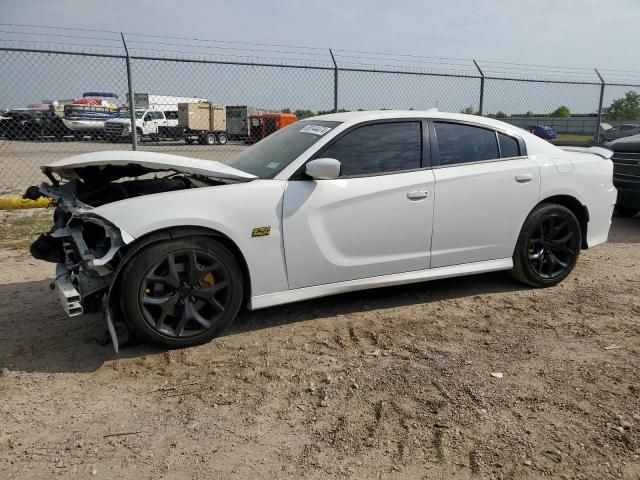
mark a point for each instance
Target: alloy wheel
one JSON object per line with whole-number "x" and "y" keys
{"x": 552, "y": 247}
{"x": 185, "y": 294}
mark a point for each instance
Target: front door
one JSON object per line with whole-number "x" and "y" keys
{"x": 375, "y": 219}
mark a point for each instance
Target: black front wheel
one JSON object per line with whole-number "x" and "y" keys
{"x": 181, "y": 293}
{"x": 548, "y": 246}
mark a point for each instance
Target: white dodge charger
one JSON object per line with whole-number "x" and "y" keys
{"x": 172, "y": 247}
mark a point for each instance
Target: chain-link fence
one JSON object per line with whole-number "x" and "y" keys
{"x": 63, "y": 98}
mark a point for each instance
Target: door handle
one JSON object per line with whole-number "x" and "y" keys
{"x": 417, "y": 195}
{"x": 524, "y": 178}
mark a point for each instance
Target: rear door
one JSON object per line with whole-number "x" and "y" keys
{"x": 375, "y": 219}
{"x": 485, "y": 188}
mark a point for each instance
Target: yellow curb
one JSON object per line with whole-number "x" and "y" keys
{"x": 16, "y": 202}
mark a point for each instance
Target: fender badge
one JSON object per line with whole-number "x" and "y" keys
{"x": 261, "y": 231}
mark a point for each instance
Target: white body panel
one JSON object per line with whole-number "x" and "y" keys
{"x": 480, "y": 209}
{"x": 331, "y": 236}
{"x": 295, "y": 295}
{"x": 224, "y": 209}
{"x": 345, "y": 229}
{"x": 151, "y": 160}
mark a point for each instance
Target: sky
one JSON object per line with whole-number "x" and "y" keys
{"x": 575, "y": 33}
{"x": 550, "y": 32}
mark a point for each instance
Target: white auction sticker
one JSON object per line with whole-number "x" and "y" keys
{"x": 315, "y": 129}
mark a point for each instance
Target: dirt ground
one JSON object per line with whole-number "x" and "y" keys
{"x": 478, "y": 377}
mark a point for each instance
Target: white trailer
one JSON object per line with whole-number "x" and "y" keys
{"x": 164, "y": 103}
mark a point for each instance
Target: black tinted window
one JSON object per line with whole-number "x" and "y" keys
{"x": 459, "y": 143}
{"x": 378, "y": 148}
{"x": 508, "y": 146}
{"x": 171, "y": 115}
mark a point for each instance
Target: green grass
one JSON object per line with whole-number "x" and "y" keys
{"x": 19, "y": 228}
{"x": 573, "y": 137}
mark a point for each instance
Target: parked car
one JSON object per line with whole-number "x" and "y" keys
{"x": 542, "y": 131}
{"x": 626, "y": 174}
{"x": 32, "y": 124}
{"x": 326, "y": 205}
{"x": 624, "y": 130}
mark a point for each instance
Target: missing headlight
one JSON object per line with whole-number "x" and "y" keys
{"x": 96, "y": 239}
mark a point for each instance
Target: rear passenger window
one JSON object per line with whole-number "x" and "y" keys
{"x": 378, "y": 148}
{"x": 508, "y": 146}
{"x": 458, "y": 143}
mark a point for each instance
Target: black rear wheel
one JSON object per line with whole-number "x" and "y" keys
{"x": 181, "y": 293}
{"x": 548, "y": 246}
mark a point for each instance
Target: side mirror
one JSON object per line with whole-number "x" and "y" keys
{"x": 323, "y": 168}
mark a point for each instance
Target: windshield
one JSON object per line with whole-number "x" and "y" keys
{"x": 270, "y": 156}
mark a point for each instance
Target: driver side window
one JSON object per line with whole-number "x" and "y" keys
{"x": 378, "y": 148}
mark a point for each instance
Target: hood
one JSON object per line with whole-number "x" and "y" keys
{"x": 140, "y": 163}
{"x": 626, "y": 144}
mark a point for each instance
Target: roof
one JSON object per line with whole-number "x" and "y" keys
{"x": 534, "y": 144}
{"x": 368, "y": 115}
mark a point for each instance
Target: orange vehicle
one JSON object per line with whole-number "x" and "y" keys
{"x": 264, "y": 124}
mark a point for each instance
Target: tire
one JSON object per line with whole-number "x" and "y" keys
{"x": 601, "y": 139}
{"x": 222, "y": 138}
{"x": 548, "y": 246}
{"x": 210, "y": 139}
{"x": 625, "y": 212}
{"x": 138, "y": 135}
{"x": 190, "y": 306}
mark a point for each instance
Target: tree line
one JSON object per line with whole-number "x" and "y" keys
{"x": 625, "y": 108}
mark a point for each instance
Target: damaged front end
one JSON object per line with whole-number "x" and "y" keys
{"x": 88, "y": 249}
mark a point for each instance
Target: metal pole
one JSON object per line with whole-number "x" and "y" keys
{"x": 335, "y": 82}
{"x": 481, "y": 87}
{"x": 132, "y": 101}
{"x": 597, "y": 137}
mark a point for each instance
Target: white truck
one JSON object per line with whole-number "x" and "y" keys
{"x": 148, "y": 124}
{"x": 156, "y": 116}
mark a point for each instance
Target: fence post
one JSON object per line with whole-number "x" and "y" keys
{"x": 132, "y": 100}
{"x": 481, "y": 87}
{"x": 597, "y": 136}
{"x": 335, "y": 82}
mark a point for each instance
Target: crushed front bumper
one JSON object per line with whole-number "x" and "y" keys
{"x": 70, "y": 298}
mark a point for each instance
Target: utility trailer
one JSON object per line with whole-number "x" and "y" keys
{"x": 203, "y": 122}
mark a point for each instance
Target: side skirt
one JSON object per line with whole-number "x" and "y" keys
{"x": 298, "y": 294}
